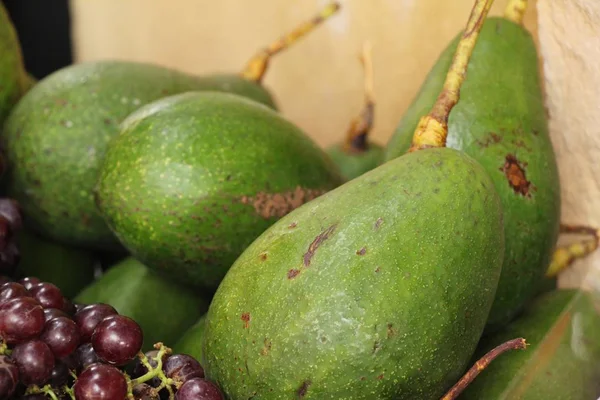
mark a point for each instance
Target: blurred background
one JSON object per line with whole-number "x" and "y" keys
{"x": 319, "y": 83}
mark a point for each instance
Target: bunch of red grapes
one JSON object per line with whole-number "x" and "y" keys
{"x": 51, "y": 348}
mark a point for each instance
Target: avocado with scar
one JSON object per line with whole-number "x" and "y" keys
{"x": 193, "y": 178}
{"x": 57, "y": 134}
{"x": 501, "y": 122}
{"x": 379, "y": 289}
{"x": 561, "y": 362}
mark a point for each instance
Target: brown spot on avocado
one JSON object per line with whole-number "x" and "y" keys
{"x": 263, "y": 256}
{"x": 515, "y": 173}
{"x": 303, "y": 389}
{"x": 378, "y": 223}
{"x": 390, "y": 331}
{"x": 380, "y": 377}
{"x": 266, "y": 348}
{"x": 246, "y": 318}
{"x": 269, "y": 205}
{"x": 361, "y": 252}
{"x": 321, "y": 237}
{"x": 292, "y": 225}
{"x": 292, "y": 273}
{"x": 491, "y": 138}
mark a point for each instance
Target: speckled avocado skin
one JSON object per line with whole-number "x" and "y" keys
{"x": 379, "y": 289}
{"x": 192, "y": 179}
{"x": 561, "y": 361}
{"x": 58, "y": 133}
{"x": 500, "y": 121}
{"x": 13, "y": 80}
{"x": 353, "y": 165}
{"x": 163, "y": 308}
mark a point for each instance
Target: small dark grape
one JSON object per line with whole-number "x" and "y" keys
{"x": 9, "y": 258}
{"x": 20, "y": 319}
{"x": 199, "y": 389}
{"x": 35, "y": 362}
{"x": 117, "y": 339}
{"x": 69, "y": 307}
{"x": 9, "y": 377}
{"x": 11, "y": 211}
{"x": 139, "y": 369}
{"x": 182, "y": 368}
{"x": 60, "y": 374}
{"x": 29, "y": 282}
{"x": 85, "y": 356}
{"x": 89, "y": 316}
{"x": 78, "y": 306}
{"x": 143, "y": 391}
{"x": 51, "y": 313}
{"x": 48, "y": 295}
{"x": 61, "y": 335}
{"x": 100, "y": 382}
{"x": 11, "y": 290}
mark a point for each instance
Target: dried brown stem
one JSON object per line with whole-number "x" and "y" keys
{"x": 481, "y": 364}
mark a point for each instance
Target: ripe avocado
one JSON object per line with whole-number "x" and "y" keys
{"x": 193, "y": 179}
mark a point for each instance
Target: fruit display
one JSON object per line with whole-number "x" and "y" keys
{"x": 165, "y": 236}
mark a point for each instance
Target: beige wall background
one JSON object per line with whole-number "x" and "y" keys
{"x": 318, "y": 83}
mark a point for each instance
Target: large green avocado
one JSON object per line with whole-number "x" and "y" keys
{"x": 501, "y": 122}
{"x": 161, "y": 307}
{"x": 194, "y": 178}
{"x": 378, "y": 289}
{"x": 13, "y": 78}
{"x": 57, "y": 134}
{"x": 562, "y": 360}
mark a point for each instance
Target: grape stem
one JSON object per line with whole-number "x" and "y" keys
{"x": 47, "y": 390}
{"x": 154, "y": 372}
{"x": 4, "y": 351}
{"x": 69, "y": 391}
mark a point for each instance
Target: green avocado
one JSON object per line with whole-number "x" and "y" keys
{"x": 69, "y": 268}
{"x": 562, "y": 360}
{"x": 161, "y": 307}
{"x": 354, "y": 164}
{"x": 192, "y": 340}
{"x": 57, "y": 134}
{"x": 378, "y": 289}
{"x": 501, "y": 122}
{"x": 13, "y": 78}
{"x": 194, "y": 178}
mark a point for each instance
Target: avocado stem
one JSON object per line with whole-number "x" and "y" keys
{"x": 356, "y": 138}
{"x": 257, "y": 66}
{"x": 481, "y": 364}
{"x": 565, "y": 256}
{"x": 515, "y": 11}
{"x": 432, "y": 129}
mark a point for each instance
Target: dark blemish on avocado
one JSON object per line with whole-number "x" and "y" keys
{"x": 86, "y": 220}
{"x": 378, "y": 223}
{"x": 515, "y": 174}
{"x": 380, "y": 377}
{"x": 60, "y": 102}
{"x": 361, "y": 252}
{"x": 303, "y": 389}
{"x": 321, "y": 237}
{"x": 436, "y": 190}
{"x": 228, "y": 178}
{"x": 376, "y": 347}
{"x": 263, "y": 256}
{"x": 107, "y": 121}
{"x": 266, "y": 347}
{"x": 377, "y": 269}
{"x": 520, "y": 143}
{"x": 391, "y": 332}
{"x": 246, "y": 318}
{"x": 491, "y": 138}
{"x": 438, "y": 163}
{"x": 535, "y": 132}
{"x": 362, "y": 378}
{"x": 292, "y": 273}
{"x": 292, "y": 225}
{"x": 269, "y": 205}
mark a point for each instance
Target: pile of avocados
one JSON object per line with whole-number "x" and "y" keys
{"x": 360, "y": 271}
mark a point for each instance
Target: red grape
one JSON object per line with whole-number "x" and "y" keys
{"x": 12, "y": 290}
{"x": 9, "y": 377}
{"x": 117, "y": 339}
{"x": 69, "y": 307}
{"x": 199, "y": 389}
{"x": 89, "y": 316}
{"x": 61, "y": 335}
{"x": 51, "y": 313}
{"x": 35, "y": 362}
{"x": 60, "y": 374}
{"x": 100, "y": 382}
{"x": 20, "y": 319}
{"x": 29, "y": 282}
{"x": 181, "y": 368}
{"x": 85, "y": 356}
{"x": 48, "y": 295}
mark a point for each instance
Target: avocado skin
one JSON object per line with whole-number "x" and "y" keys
{"x": 353, "y": 165}
{"x": 69, "y": 268}
{"x": 501, "y": 115}
{"x": 561, "y": 361}
{"x": 194, "y": 178}
{"x": 192, "y": 340}
{"x": 379, "y": 289}
{"x": 161, "y": 307}
{"x": 57, "y": 134}
{"x": 13, "y": 80}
